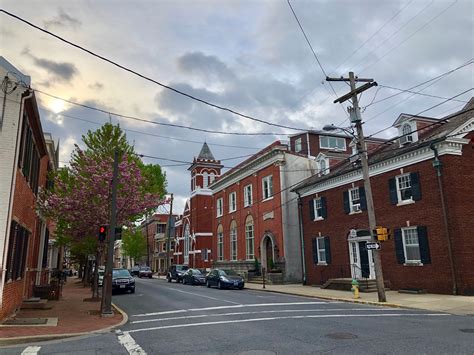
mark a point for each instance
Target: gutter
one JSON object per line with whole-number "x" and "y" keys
{"x": 437, "y": 165}
{"x": 300, "y": 219}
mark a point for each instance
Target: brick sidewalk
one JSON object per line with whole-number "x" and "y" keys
{"x": 74, "y": 315}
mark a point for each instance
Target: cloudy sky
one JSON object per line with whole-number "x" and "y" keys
{"x": 249, "y": 56}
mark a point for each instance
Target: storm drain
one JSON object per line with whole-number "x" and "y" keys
{"x": 467, "y": 330}
{"x": 341, "y": 336}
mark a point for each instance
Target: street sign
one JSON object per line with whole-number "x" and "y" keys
{"x": 372, "y": 246}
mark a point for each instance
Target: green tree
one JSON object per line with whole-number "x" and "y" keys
{"x": 134, "y": 244}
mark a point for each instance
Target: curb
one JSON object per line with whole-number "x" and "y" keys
{"x": 39, "y": 338}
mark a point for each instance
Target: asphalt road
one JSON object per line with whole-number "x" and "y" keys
{"x": 170, "y": 318}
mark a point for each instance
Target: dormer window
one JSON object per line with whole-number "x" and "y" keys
{"x": 406, "y": 136}
{"x": 298, "y": 145}
{"x": 336, "y": 143}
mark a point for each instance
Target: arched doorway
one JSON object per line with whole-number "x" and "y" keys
{"x": 267, "y": 248}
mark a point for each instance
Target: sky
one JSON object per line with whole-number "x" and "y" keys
{"x": 248, "y": 56}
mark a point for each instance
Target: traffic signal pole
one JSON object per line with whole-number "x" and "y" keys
{"x": 106, "y": 305}
{"x": 361, "y": 149}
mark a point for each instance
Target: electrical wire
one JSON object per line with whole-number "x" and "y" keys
{"x": 142, "y": 76}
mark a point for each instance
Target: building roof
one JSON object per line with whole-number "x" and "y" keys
{"x": 439, "y": 130}
{"x": 205, "y": 153}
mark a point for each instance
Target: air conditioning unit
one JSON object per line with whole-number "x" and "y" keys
{"x": 356, "y": 208}
{"x": 406, "y": 139}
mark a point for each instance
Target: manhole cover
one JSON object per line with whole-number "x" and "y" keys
{"x": 26, "y": 321}
{"x": 341, "y": 336}
{"x": 468, "y": 330}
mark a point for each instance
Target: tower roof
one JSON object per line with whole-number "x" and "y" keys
{"x": 205, "y": 153}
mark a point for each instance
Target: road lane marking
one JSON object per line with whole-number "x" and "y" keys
{"x": 260, "y": 312}
{"x": 199, "y": 295}
{"x": 130, "y": 344}
{"x": 289, "y": 317}
{"x": 31, "y": 350}
{"x": 226, "y": 307}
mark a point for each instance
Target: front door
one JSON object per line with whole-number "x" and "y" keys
{"x": 364, "y": 260}
{"x": 361, "y": 262}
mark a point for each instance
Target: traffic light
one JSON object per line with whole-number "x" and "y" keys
{"x": 102, "y": 233}
{"x": 118, "y": 233}
{"x": 382, "y": 234}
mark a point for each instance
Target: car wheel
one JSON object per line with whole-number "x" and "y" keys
{"x": 169, "y": 278}
{"x": 184, "y": 281}
{"x": 241, "y": 287}
{"x": 208, "y": 284}
{"x": 132, "y": 290}
{"x": 219, "y": 285}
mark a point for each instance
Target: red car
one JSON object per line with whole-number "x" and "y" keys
{"x": 145, "y": 271}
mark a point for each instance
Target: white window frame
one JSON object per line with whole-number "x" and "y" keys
{"x": 249, "y": 241}
{"x": 248, "y": 195}
{"x": 298, "y": 145}
{"x": 321, "y": 251}
{"x": 323, "y": 170}
{"x": 328, "y": 146}
{"x": 318, "y": 208}
{"x": 406, "y": 233}
{"x": 233, "y": 242}
{"x": 401, "y": 182}
{"x": 205, "y": 180}
{"x": 220, "y": 244}
{"x": 352, "y": 205}
{"x": 267, "y": 187}
{"x": 232, "y": 202}
{"x": 220, "y": 207}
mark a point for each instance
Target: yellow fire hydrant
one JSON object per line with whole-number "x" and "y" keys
{"x": 355, "y": 288}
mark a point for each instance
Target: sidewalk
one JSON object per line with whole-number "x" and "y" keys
{"x": 458, "y": 305}
{"x": 72, "y": 315}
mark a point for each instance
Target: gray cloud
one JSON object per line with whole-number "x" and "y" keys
{"x": 58, "y": 71}
{"x": 96, "y": 86}
{"x": 63, "y": 20}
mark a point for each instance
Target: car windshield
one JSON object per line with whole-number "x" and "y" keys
{"x": 120, "y": 273}
{"x": 196, "y": 272}
{"x": 181, "y": 267}
{"x": 227, "y": 273}
{"x": 145, "y": 269}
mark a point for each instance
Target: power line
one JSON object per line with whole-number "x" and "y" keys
{"x": 189, "y": 96}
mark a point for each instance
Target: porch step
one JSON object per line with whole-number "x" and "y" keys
{"x": 255, "y": 280}
{"x": 34, "y": 304}
{"x": 345, "y": 284}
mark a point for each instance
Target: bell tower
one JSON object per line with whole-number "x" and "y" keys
{"x": 204, "y": 170}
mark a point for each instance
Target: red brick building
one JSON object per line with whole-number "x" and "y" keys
{"x": 422, "y": 188}
{"x": 25, "y": 163}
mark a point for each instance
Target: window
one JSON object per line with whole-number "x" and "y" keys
{"x": 321, "y": 251}
{"x": 354, "y": 200}
{"x": 411, "y": 245}
{"x": 232, "y": 201}
{"x": 298, "y": 145}
{"x": 160, "y": 228}
{"x": 337, "y": 143}
{"x": 220, "y": 206}
{"x": 205, "y": 180}
{"x": 406, "y": 136}
{"x": 220, "y": 243}
{"x": 267, "y": 183}
{"x": 318, "y": 208}
{"x": 354, "y": 197}
{"x": 233, "y": 241}
{"x": 17, "y": 249}
{"x": 323, "y": 168}
{"x": 405, "y": 188}
{"x": 187, "y": 242}
{"x": 29, "y": 159}
{"x": 248, "y": 196}
{"x": 249, "y": 238}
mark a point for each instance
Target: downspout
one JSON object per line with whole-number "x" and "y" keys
{"x": 437, "y": 165}
{"x": 300, "y": 219}
{"x": 307, "y": 143}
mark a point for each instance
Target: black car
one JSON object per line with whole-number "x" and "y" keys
{"x": 122, "y": 280}
{"x": 134, "y": 271}
{"x": 194, "y": 277}
{"x": 175, "y": 272}
{"x": 224, "y": 279}
{"x": 145, "y": 271}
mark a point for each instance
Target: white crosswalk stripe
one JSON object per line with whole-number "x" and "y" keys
{"x": 31, "y": 350}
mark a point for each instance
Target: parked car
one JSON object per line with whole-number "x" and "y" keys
{"x": 122, "y": 280}
{"x": 101, "y": 273}
{"x": 175, "y": 272}
{"x": 194, "y": 277}
{"x": 224, "y": 279}
{"x": 134, "y": 271}
{"x": 145, "y": 271}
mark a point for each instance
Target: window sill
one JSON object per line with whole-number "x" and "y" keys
{"x": 232, "y": 211}
{"x": 219, "y": 215}
{"x": 250, "y": 205}
{"x": 318, "y": 219}
{"x": 413, "y": 263}
{"x": 355, "y": 212}
{"x": 322, "y": 264}
{"x": 405, "y": 202}
{"x": 268, "y": 199}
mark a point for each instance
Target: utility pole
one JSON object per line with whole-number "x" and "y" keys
{"x": 361, "y": 149}
{"x": 106, "y": 305}
{"x": 168, "y": 241}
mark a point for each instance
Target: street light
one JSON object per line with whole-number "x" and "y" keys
{"x": 348, "y": 130}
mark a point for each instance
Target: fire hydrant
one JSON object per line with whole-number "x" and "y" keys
{"x": 355, "y": 288}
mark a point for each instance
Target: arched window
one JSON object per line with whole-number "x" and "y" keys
{"x": 187, "y": 241}
{"x": 233, "y": 240}
{"x": 249, "y": 238}
{"x": 212, "y": 176}
{"x": 205, "y": 180}
{"x": 406, "y": 129}
{"x": 220, "y": 243}
{"x": 406, "y": 134}
{"x": 322, "y": 166}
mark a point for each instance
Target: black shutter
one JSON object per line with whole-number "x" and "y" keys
{"x": 392, "y": 187}
{"x": 44, "y": 262}
{"x": 311, "y": 209}
{"x": 423, "y": 243}
{"x": 327, "y": 247}
{"x": 415, "y": 186}
{"x": 347, "y": 208}
{"x": 315, "y": 250}
{"x": 324, "y": 207}
{"x": 399, "y": 246}
{"x": 363, "y": 200}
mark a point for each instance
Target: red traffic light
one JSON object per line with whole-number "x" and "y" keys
{"x": 102, "y": 229}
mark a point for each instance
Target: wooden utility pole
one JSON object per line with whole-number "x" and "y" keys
{"x": 168, "y": 241}
{"x": 106, "y": 305}
{"x": 362, "y": 151}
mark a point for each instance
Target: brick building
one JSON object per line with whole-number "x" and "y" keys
{"x": 24, "y": 166}
{"x": 421, "y": 183}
